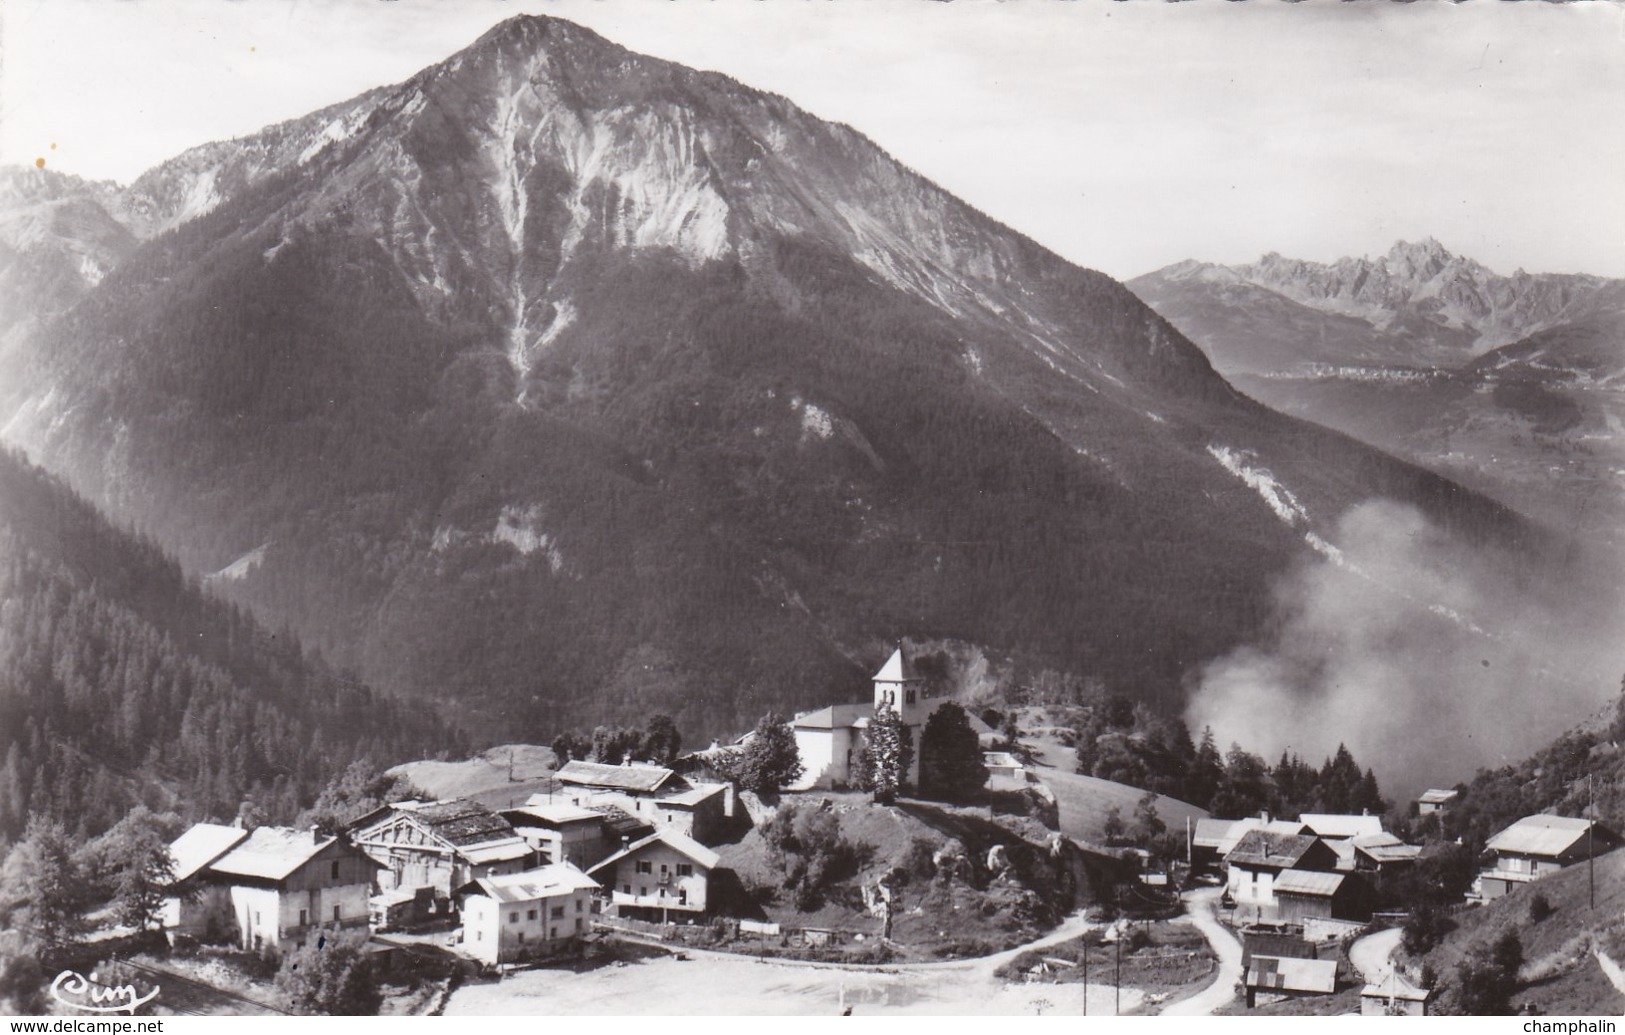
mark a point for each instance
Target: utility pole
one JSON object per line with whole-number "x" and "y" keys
{"x": 1117, "y": 979}
{"x": 1086, "y": 976}
{"x": 1591, "y": 843}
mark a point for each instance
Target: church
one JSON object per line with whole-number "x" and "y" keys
{"x": 829, "y": 739}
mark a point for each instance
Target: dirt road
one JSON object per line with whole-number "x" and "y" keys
{"x": 1199, "y": 907}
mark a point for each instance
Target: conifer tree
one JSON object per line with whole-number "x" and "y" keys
{"x": 888, "y": 755}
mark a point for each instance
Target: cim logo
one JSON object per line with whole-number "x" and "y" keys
{"x": 74, "y": 989}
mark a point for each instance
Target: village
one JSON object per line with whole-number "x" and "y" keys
{"x": 611, "y": 880}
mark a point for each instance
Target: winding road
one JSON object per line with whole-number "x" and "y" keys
{"x": 1199, "y": 906}
{"x": 1372, "y": 955}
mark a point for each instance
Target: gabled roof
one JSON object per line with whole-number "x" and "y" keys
{"x": 1541, "y": 835}
{"x": 1223, "y": 834}
{"x": 1263, "y": 848}
{"x": 836, "y": 716}
{"x": 200, "y": 846}
{"x": 551, "y": 813}
{"x": 1308, "y": 882}
{"x": 1285, "y": 974}
{"x": 1386, "y": 848}
{"x": 530, "y": 885}
{"x": 503, "y": 850}
{"x": 271, "y": 853}
{"x": 458, "y": 821}
{"x": 672, "y": 839}
{"x": 644, "y": 778}
{"x": 896, "y": 669}
{"x": 1395, "y": 986}
{"x": 1334, "y": 825}
{"x": 1435, "y": 796}
{"x": 691, "y": 797}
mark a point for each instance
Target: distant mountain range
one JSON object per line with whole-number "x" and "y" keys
{"x": 566, "y": 384}
{"x": 1514, "y": 385}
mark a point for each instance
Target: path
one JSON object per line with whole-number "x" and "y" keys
{"x": 1199, "y": 907}
{"x": 1372, "y": 955}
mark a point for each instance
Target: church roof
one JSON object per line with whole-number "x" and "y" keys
{"x": 836, "y": 716}
{"x": 896, "y": 669}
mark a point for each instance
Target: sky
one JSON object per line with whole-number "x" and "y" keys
{"x": 1125, "y": 136}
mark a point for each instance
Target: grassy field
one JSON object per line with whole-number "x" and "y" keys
{"x": 1560, "y": 975}
{"x": 1084, "y": 801}
{"x": 499, "y": 770}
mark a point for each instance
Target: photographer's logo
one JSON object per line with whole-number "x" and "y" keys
{"x": 74, "y": 989}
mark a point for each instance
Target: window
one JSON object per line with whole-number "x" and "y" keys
{"x": 578, "y": 905}
{"x": 908, "y": 697}
{"x": 553, "y": 932}
{"x": 521, "y": 937}
{"x": 643, "y": 892}
{"x": 303, "y": 918}
{"x": 685, "y": 869}
{"x": 644, "y": 866}
{"x": 556, "y": 913}
{"x": 335, "y": 869}
{"x": 627, "y": 888}
{"x": 513, "y": 918}
{"x": 335, "y": 914}
{"x": 531, "y": 915}
{"x": 578, "y": 925}
{"x": 682, "y": 896}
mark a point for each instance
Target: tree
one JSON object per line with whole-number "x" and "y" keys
{"x": 570, "y": 746}
{"x": 1148, "y": 826}
{"x": 1487, "y": 976}
{"x": 1207, "y": 772}
{"x": 330, "y": 976}
{"x": 42, "y": 891}
{"x": 359, "y": 789}
{"x": 1113, "y": 828}
{"x": 661, "y": 741}
{"x": 888, "y": 755}
{"x": 951, "y": 755}
{"x": 613, "y": 744}
{"x": 771, "y": 759}
{"x": 145, "y": 871}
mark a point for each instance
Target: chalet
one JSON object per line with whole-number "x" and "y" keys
{"x": 1381, "y": 854}
{"x": 651, "y": 793}
{"x": 1435, "y": 800}
{"x": 519, "y": 916}
{"x": 666, "y": 872}
{"x": 829, "y": 739}
{"x": 1212, "y": 839}
{"x": 274, "y": 888}
{"x": 1394, "y": 996}
{"x": 1287, "y": 977}
{"x": 1335, "y": 827}
{"x": 1260, "y": 857}
{"x": 439, "y": 844}
{"x": 561, "y": 832}
{"x": 1536, "y": 847}
{"x": 1302, "y": 896}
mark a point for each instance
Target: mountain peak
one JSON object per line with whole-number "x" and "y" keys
{"x": 1428, "y": 249}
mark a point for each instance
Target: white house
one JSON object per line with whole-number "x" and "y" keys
{"x": 665, "y": 873}
{"x": 523, "y": 915}
{"x": 440, "y": 845}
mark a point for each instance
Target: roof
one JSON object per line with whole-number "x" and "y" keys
{"x": 200, "y": 846}
{"x": 556, "y": 813}
{"x": 1395, "y": 986}
{"x": 691, "y": 797}
{"x": 1540, "y": 835}
{"x": 1308, "y": 882}
{"x": 271, "y": 853}
{"x": 1435, "y": 796}
{"x": 672, "y": 839}
{"x": 836, "y": 716}
{"x": 645, "y": 778}
{"x": 1212, "y": 833}
{"x": 530, "y": 885}
{"x": 506, "y": 849}
{"x": 458, "y": 821}
{"x": 1333, "y": 825}
{"x": 1263, "y": 848}
{"x": 620, "y": 822}
{"x": 1386, "y": 847}
{"x": 1285, "y": 974}
{"x": 896, "y": 669}
{"x": 1223, "y": 834}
